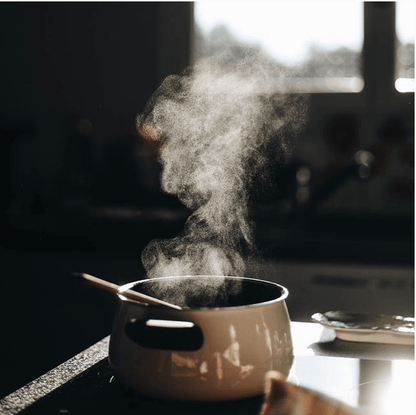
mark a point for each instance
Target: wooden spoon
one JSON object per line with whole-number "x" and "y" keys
{"x": 115, "y": 289}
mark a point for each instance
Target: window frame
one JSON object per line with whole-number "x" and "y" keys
{"x": 376, "y": 102}
{"x": 175, "y": 52}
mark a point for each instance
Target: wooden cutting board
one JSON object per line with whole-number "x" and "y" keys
{"x": 283, "y": 398}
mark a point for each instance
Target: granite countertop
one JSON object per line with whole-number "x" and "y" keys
{"x": 90, "y": 368}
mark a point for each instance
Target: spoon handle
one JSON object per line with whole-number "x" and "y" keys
{"x": 115, "y": 289}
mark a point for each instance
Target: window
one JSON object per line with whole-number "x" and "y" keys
{"x": 323, "y": 40}
{"x": 372, "y": 105}
{"x": 405, "y": 30}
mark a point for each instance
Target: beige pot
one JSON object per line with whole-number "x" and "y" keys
{"x": 218, "y": 349}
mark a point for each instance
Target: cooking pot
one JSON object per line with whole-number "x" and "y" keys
{"x": 229, "y": 333}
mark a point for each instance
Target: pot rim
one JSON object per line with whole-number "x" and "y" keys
{"x": 281, "y": 298}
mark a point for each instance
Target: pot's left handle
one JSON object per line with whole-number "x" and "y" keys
{"x": 165, "y": 334}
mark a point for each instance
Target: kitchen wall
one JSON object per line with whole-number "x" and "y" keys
{"x": 73, "y": 78}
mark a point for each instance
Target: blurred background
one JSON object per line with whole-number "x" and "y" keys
{"x": 81, "y": 189}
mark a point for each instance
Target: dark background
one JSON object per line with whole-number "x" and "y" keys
{"x": 81, "y": 189}
{"x": 73, "y": 78}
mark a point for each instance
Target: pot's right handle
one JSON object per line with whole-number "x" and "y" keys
{"x": 165, "y": 334}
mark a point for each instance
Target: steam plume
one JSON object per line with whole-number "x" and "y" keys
{"x": 220, "y": 124}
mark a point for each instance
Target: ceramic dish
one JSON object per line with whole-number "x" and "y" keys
{"x": 369, "y": 328}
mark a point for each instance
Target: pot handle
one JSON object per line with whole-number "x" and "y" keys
{"x": 165, "y": 334}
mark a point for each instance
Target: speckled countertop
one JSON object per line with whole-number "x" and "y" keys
{"x": 83, "y": 383}
{"x": 55, "y": 378}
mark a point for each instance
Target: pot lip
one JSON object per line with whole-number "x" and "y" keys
{"x": 281, "y": 298}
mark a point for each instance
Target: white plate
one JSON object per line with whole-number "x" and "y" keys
{"x": 357, "y": 327}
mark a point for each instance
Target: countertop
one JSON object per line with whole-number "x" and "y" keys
{"x": 85, "y": 382}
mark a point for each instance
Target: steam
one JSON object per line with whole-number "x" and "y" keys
{"x": 220, "y": 124}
